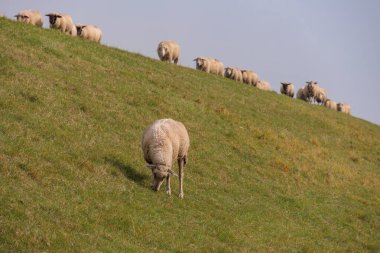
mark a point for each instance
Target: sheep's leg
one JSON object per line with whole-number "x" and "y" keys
{"x": 181, "y": 163}
{"x": 152, "y": 181}
{"x": 168, "y": 190}
{"x": 175, "y": 60}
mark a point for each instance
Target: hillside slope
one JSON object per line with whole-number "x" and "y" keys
{"x": 265, "y": 173}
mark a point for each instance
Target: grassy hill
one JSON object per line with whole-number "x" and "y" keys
{"x": 266, "y": 172}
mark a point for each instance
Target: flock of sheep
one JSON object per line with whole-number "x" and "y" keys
{"x": 62, "y": 22}
{"x": 169, "y": 51}
{"x": 167, "y": 140}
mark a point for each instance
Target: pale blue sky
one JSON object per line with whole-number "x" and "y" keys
{"x": 335, "y": 42}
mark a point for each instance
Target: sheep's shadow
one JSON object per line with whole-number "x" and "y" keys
{"x": 128, "y": 171}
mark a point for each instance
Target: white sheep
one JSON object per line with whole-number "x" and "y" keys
{"x": 302, "y": 94}
{"x": 89, "y": 32}
{"x": 30, "y": 17}
{"x": 62, "y": 22}
{"x": 234, "y": 74}
{"x": 287, "y": 89}
{"x": 345, "y": 108}
{"x": 163, "y": 142}
{"x": 330, "y": 104}
{"x": 319, "y": 95}
{"x": 169, "y": 51}
{"x": 315, "y": 92}
{"x": 250, "y": 77}
{"x": 263, "y": 85}
{"x": 209, "y": 65}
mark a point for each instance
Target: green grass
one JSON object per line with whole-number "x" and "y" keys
{"x": 266, "y": 173}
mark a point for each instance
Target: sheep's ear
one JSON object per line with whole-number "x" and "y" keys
{"x": 58, "y": 16}
{"x": 171, "y": 172}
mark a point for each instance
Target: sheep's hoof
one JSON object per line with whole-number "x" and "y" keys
{"x": 169, "y": 192}
{"x": 180, "y": 195}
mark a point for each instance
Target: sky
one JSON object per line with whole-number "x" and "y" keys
{"x": 334, "y": 42}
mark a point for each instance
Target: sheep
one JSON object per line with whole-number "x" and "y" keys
{"x": 330, "y": 104}
{"x": 319, "y": 95}
{"x": 287, "y": 89}
{"x": 62, "y": 22}
{"x": 345, "y": 108}
{"x": 309, "y": 90}
{"x": 263, "y": 85}
{"x": 250, "y": 77}
{"x": 209, "y": 65}
{"x": 30, "y": 17}
{"x": 163, "y": 142}
{"x": 314, "y": 91}
{"x": 169, "y": 51}
{"x": 89, "y": 32}
{"x": 301, "y": 94}
{"x": 233, "y": 74}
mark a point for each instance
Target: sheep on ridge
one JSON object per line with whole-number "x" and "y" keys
{"x": 89, "y": 32}
{"x": 319, "y": 95}
{"x": 233, "y": 74}
{"x": 330, "y": 104}
{"x": 249, "y": 77}
{"x": 62, "y": 22}
{"x": 163, "y": 142}
{"x": 168, "y": 51}
{"x": 30, "y": 17}
{"x": 209, "y": 65}
{"x": 263, "y": 85}
{"x": 287, "y": 89}
{"x": 345, "y": 108}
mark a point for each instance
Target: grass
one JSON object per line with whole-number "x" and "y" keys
{"x": 266, "y": 172}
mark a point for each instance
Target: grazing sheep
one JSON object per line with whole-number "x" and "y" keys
{"x": 287, "y": 89}
{"x": 89, "y": 32}
{"x": 330, "y": 104}
{"x": 302, "y": 94}
{"x": 209, "y": 65}
{"x": 30, "y": 17}
{"x": 233, "y": 74}
{"x": 263, "y": 85}
{"x": 169, "y": 51}
{"x": 250, "y": 77}
{"x": 62, "y": 22}
{"x": 345, "y": 108}
{"x": 163, "y": 142}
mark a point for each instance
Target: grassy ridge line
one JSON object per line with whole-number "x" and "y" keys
{"x": 266, "y": 172}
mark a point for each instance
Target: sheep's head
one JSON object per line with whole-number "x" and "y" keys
{"x": 53, "y": 18}
{"x": 159, "y": 173}
{"x": 227, "y": 72}
{"x": 339, "y": 107}
{"x": 199, "y": 62}
{"x": 79, "y": 29}
{"x": 311, "y": 85}
{"x": 162, "y": 50}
